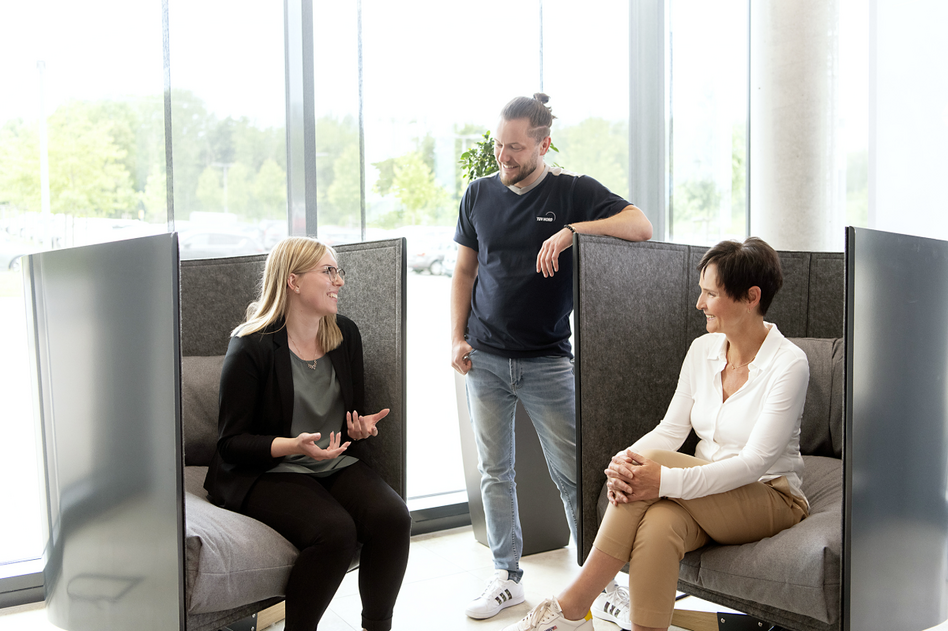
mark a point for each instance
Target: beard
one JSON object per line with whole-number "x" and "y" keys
{"x": 525, "y": 170}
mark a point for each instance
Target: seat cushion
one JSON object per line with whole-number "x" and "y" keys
{"x": 230, "y": 559}
{"x": 797, "y": 570}
{"x": 200, "y": 388}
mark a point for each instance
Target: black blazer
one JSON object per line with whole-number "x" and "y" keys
{"x": 256, "y": 405}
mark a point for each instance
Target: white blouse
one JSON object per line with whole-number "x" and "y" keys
{"x": 754, "y": 435}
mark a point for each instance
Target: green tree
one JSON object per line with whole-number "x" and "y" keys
{"x": 345, "y": 192}
{"x": 241, "y": 199}
{"x": 210, "y": 192}
{"x": 598, "y": 148}
{"x": 422, "y": 201}
{"x": 269, "y": 188}
{"x": 154, "y": 198}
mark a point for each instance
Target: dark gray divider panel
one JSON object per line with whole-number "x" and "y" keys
{"x": 214, "y": 298}
{"x": 896, "y": 436}
{"x": 374, "y": 298}
{"x": 105, "y": 345}
{"x": 631, "y": 318}
{"x": 635, "y": 318}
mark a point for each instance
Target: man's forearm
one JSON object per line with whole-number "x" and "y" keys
{"x": 630, "y": 224}
{"x": 461, "y": 288}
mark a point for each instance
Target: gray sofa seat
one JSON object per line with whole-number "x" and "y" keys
{"x": 230, "y": 559}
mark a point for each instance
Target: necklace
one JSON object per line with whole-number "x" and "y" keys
{"x": 305, "y": 361}
{"x": 733, "y": 367}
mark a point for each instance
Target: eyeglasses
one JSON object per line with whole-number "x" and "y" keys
{"x": 334, "y": 273}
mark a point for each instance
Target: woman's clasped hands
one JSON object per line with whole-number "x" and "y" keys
{"x": 631, "y": 477}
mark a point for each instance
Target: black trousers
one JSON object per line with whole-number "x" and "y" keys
{"x": 324, "y": 518}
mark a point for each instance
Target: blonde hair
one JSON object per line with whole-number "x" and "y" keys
{"x": 293, "y": 255}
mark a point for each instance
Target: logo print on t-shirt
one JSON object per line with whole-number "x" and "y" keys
{"x": 548, "y": 218}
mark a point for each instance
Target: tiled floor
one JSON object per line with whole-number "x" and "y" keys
{"x": 445, "y": 570}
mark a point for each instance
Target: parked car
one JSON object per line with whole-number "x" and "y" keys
{"x": 200, "y": 243}
{"x": 11, "y": 252}
{"x": 450, "y": 258}
{"x": 428, "y": 256}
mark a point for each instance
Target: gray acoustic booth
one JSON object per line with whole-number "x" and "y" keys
{"x": 635, "y": 319}
{"x": 127, "y": 349}
{"x": 873, "y": 322}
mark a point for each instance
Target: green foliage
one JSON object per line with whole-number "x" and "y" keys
{"x": 154, "y": 199}
{"x": 269, "y": 189}
{"x": 87, "y": 172}
{"x": 338, "y": 190}
{"x": 479, "y": 160}
{"x": 422, "y": 200}
{"x": 600, "y": 149}
{"x": 345, "y": 191}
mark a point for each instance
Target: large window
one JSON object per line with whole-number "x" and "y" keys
{"x": 707, "y": 120}
{"x": 81, "y": 161}
{"x": 228, "y": 126}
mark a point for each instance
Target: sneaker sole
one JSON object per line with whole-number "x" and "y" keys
{"x": 605, "y": 615}
{"x": 476, "y": 615}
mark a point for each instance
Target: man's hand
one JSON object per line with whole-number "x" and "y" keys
{"x": 548, "y": 260}
{"x": 460, "y": 356}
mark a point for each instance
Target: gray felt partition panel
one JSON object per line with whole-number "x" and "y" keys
{"x": 635, "y": 318}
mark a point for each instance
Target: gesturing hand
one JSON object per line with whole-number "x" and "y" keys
{"x": 307, "y": 445}
{"x": 364, "y": 426}
{"x": 631, "y": 477}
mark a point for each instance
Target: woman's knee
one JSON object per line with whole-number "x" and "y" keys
{"x": 332, "y": 529}
{"x": 667, "y": 526}
{"x": 390, "y": 519}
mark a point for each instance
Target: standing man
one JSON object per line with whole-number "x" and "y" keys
{"x": 511, "y": 297}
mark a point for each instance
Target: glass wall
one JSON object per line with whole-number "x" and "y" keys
{"x": 228, "y": 126}
{"x": 421, "y": 107}
{"x": 81, "y": 161}
{"x": 707, "y": 120}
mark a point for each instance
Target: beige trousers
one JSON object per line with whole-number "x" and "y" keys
{"x": 654, "y": 535}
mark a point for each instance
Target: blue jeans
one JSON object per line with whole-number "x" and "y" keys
{"x": 545, "y": 386}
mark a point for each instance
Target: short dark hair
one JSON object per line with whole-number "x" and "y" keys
{"x": 741, "y": 266}
{"x": 534, "y": 108}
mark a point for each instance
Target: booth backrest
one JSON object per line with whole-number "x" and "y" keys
{"x": 635, "y": 319}
{"x": 214, "y": 298}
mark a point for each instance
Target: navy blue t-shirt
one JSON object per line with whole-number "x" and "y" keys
{"x": 516, "y": 312}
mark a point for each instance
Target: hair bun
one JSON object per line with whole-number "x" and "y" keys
{"x": 542, "y": 98}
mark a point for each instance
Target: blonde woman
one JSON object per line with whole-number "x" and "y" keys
{"x": 290, "y": 401}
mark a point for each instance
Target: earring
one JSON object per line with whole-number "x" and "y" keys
{"x": 297, "y": 290}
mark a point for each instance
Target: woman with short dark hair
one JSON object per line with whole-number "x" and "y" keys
{"x": 741, "y": 388}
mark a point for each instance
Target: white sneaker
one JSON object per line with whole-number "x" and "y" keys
{"x": 499, "y": 594}
{"x": 613, "y": 605}
{"x": 548, "y": 616}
